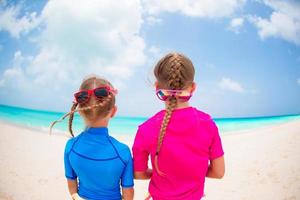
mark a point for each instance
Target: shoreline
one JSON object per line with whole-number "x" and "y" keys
{"x": 261, "y": 128}
{"x": 260, "y": 164}
{"x": 55, "y": 132}
{"x": 60, "y": 132}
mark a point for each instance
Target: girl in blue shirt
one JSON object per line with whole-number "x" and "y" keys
{"x": 96, "y": 164}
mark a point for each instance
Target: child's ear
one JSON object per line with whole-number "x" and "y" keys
{"x": 113, "y": 111}
{"x": 193, "y": 87}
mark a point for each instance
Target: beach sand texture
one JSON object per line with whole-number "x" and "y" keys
{"x": 260, "y": 164}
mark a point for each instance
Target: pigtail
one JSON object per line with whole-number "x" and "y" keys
{"x": 73, "y": 108}
{"x": 59, "y": 120}
{"x": 71, "y": 116}
{"x": 174, "y": 82}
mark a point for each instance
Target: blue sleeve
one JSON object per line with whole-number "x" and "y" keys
{"x": 127, "y": 176}
{"x": 69, "y": 171}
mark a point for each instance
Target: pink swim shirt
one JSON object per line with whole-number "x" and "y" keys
{"x": 191, "y": 140}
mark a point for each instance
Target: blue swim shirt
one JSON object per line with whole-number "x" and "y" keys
{"x": 101, "y": 164}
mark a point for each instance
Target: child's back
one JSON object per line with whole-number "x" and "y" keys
{"x": 100, "y": 162}
{"x": 96, "y": 165}
{"x": 183, "y": 142}
{"x": 192, "y": 140}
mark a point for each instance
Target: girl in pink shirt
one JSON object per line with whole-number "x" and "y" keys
{"x": 183, "y": 142}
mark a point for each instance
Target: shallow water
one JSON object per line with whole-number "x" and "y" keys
{"x": 123, "y": 125}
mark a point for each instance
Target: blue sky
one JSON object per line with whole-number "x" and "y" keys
{"x": 246, "y": 52}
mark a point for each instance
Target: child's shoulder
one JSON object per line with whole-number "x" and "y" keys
{"x": 119, "y": 145}
{"x": 205, "y": 118}
{"x": 122, "y": 149}
{"x": 152, "y": 120}
{"x": 202, "y": 115}
{"x": 70, "y": 142}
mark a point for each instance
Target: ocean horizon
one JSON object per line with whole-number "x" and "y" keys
{"x": 41, "y": 119}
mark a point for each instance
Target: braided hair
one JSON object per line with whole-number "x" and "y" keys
{"x": 175, "y": 72}
{"x": 91, "y": 110}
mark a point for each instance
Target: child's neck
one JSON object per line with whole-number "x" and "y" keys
{"x": 99, "y": 123}
{"x": 180, "y": 105}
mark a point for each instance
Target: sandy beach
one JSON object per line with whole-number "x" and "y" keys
{"x": 260, "y": 164}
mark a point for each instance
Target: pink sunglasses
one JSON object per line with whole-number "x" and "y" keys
{"x": 101, "y": 92}
{"x": 164, "y": 94}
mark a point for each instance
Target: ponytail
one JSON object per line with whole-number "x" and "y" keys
{"x": 73, "y": 108}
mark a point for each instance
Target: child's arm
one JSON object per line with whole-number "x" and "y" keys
{"x": 216, "y": 168}
{"x": 70, "y": 173}
{"x": 127, "y": 179}
{"x": 141, "y": 156}
{"x": 143, "y": 175}
{"x": 73, "y": 188}
{"x": 127, "y": 193}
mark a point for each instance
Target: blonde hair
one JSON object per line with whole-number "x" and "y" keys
{"x": 88, "y": 110}
{"x": 176, "y": 72}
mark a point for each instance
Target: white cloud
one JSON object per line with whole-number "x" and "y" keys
{"x": 298, "y": 81}
{"x": 196, "y": 8}
{"x": 79, "y": 39}
{"x": 155, "y": 50}
{"x": 151, "y": 20}
{"x": 10, "y": 22}
{"x": 236, "y": 24}
{"x": 229, "y": 84}
{"x": 93, "y": 38}
{"x": 284, "y": 22}
{"x": 14, "y": 77}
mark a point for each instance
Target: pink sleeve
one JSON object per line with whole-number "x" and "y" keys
{"x": 140, "y": 152}
{"x": 216, "y": 149}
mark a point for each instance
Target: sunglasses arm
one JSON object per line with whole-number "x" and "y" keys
{"x": 114, "y": 91}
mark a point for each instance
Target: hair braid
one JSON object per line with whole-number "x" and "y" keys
{"x": 174, "y": 82}
{"x": 71, "y": 116}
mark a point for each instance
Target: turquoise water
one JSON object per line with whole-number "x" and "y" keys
{"x": 123, "y": 125}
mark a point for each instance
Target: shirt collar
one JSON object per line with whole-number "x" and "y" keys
{"x": 97, "y": 130}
